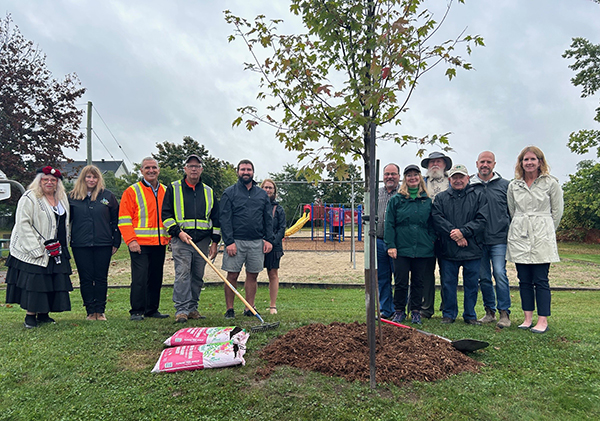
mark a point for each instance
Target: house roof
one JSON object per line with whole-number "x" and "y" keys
{"x": 71, "y": 169}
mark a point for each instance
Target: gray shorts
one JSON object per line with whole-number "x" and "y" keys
{"x": 249, "y": 252}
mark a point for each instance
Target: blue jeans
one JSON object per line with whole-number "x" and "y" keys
{"x": 534, "y": 287}
{"x": 385, "y": 268}
{"x": 494, "y": 257}
{"x": 470, "y": 284}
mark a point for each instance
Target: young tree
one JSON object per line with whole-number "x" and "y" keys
{"x": 330, "y": 89}
{"x": 216, "y": 173}
{"x": 357, "y": 67}
{"x": 587, "y": 66}
{"x": 38, "y": 116}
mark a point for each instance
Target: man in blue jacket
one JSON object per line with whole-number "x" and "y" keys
{"x": 247, "y": 230}
{"x": 494, "y": 187}
{"x": 459, "y": 216}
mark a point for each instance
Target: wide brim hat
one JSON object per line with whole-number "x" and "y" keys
{"x": 436, "y": 155}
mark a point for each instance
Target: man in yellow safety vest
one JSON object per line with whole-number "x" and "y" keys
{"x": 190, "y": 213}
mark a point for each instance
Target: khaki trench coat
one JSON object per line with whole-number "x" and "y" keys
{"x": 535, "y": 214}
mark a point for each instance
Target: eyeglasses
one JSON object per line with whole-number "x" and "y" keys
{"x": 390, "y": 174}
{"x": 194, "y": 167}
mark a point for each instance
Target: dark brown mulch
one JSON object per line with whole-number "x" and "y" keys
{"x": 341, "y": 349}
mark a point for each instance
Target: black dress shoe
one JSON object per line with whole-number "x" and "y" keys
{"x": 157, "y": 315}
{"x": 44, "y": 318}
{"x": 447, "y": 320}
{"x": 533, "y": 330}
{"x": 136, "y": 317}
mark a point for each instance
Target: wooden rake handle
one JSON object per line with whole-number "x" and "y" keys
{"x": 226, "y": 281}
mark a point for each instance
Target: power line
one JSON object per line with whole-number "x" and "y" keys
{"x": 113, "y": 136}
{"x": 102, "y": 143}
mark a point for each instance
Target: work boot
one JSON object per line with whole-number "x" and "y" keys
{"x": 504, "y": 319}
{"x": 490, "y": 316}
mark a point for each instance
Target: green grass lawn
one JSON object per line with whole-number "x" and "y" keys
{"x": 82, "y": 370}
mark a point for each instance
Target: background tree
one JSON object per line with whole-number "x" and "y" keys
{"x": 292, "y": 196}
{"x": 587, "y": 66}
{"x": 341, "y": 193}
{"x": 38, "y": 116}
{"x": 582, "y": 198}
{"x": 217, "y": 173}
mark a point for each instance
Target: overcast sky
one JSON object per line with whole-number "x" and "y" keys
{"x": 162, "y": 70}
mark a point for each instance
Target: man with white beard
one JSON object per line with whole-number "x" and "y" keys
{"x": 436, "y": 180}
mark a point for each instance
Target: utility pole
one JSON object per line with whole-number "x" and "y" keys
{"x": 89, "y": 133}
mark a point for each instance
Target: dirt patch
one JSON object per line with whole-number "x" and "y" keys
{"x": 136, "y": 360}
{"x": 341, "y": 350}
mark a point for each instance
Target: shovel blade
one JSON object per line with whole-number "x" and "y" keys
{"x": 469, "y": 345}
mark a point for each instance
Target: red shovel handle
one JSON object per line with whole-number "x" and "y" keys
{"x": 389, "y": 322}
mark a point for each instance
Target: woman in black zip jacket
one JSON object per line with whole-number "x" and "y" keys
{"x": 95, "y": 237}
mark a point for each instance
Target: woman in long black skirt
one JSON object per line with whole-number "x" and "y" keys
{"x": 38, "y": 264}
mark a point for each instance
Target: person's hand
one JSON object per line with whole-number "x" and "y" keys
{"x": 267, "y": 247}
{"x": 212, "y": 252}
{"x": 114, "y": 250}
{"x": 462, "y": 242}
{"x": 393, "y": 253}
{"x": 456, "y": 234}
{"x": 231, "y": 249}
{"x": 185, "y": 237}
{"x": 134, "y": 247}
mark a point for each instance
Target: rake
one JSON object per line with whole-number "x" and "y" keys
{"x": 462, "y": 345}
{"x": 261, "y": 328}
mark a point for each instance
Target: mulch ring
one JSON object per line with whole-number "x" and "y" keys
{"x": 341, "y": 349}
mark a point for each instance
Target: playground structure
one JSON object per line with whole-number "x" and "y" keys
{"x": 334, "y": 219}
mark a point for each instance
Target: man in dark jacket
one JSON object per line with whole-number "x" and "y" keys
{"x": 459, "y": 217}
{"x": 190, "y": 213}
{"x": 247, "y": 228}
{"x": 494, "y": 187}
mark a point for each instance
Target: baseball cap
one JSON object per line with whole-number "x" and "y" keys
{"x": 458, "y": 169}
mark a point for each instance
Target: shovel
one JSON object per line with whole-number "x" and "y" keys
{"x": 462, "y": 345}
{"x": 264, "y": 326}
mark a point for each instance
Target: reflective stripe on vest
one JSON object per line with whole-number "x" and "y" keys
{"x": 142, "y": 230}
{"x": 199, "y": 224}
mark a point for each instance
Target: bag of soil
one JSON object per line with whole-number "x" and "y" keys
{"x": 199, "y": 357}
{"x": 207, "y": 335}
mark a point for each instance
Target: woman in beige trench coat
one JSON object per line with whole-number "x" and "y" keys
{"x": 535, "y": 203}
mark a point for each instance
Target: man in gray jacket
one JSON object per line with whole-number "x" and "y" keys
{"x": 494, "y": 187}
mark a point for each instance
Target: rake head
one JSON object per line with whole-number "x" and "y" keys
{"x": 264, "y": 327}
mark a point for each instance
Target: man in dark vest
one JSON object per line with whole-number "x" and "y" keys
{"x": 190, "y": 213}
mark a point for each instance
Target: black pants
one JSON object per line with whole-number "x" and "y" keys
{"x": 92, "y": 266}
{"x": 146, "y": 279}
{"x": 419, "y": 271}
{"x": 534, "y": 287}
